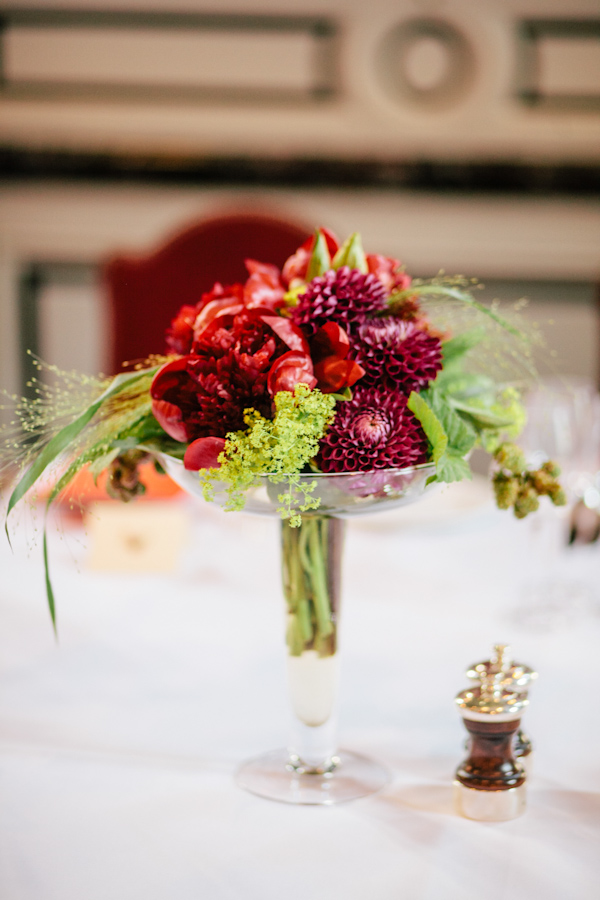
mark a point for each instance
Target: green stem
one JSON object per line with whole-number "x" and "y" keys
{"x": 319, "y": 582}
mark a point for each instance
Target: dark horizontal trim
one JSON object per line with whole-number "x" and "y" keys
{"x": 17, "y": 164}
{"x": 155, "y": 94}
{"x": 533, "y": 29}
{"x": 102, "y": 18}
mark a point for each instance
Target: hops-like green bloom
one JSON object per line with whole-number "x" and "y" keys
{"x": 511, "y": 457}
{"x": 527, "y": 501}
{"x": 542, "y": 481}
{"x": 551, "y": 469}
{"x": 506, "y": 489}
{"x": 558, "y": 496}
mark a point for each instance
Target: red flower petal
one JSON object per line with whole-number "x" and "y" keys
{"x": 263, "y": 287}
{"x": 388, "y": 271}
{"x": 289, "y": 370}
{"x": 289, "y": 333}
{"x": 169, "y": 417}
{"x": 226, "y": 306}
{"x": 335, "y": 374}
{"x": 204, "y": 453}
{"x": 330, "y": 340}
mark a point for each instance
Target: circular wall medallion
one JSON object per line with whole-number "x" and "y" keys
{"x": 426, "y": 62}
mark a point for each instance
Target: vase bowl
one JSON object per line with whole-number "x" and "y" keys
{"x": 343, "y": 495}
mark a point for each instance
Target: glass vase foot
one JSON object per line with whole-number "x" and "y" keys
{"x": 274, "y": 776}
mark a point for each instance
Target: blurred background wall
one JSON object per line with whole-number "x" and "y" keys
{"x": 460, "y": 135}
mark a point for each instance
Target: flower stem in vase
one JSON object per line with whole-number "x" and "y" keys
{"x": 311, "y": 556}
{"x": 311, "y": 770}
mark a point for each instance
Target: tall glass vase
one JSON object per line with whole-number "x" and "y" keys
{"x": 312, "y": 769}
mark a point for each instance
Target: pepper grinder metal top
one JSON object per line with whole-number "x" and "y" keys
{"x": 490, "y": 783}
{"x": 517, "y": 677}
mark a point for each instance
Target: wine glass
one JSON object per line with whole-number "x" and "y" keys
{"x": 563, "y": 424}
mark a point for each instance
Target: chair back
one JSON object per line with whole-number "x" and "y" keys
{"x": 145, "y": 293}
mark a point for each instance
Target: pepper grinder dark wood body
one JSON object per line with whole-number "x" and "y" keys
{"x": 518, "y": 678}
{"x": 490, "y": 783}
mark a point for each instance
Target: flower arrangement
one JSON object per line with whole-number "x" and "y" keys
{"x": 338, "y": 363}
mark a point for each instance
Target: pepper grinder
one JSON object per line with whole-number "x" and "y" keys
{"x": 518, "y": 678}
{"x": 490, "y": 784}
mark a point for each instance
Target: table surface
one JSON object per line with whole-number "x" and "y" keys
{"x": 119, "y": 743}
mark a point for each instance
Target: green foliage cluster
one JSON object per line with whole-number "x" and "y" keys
{"x": 280, "y": 448}
{"x": 462, "y": 410}
{"x": 517, "y": 487}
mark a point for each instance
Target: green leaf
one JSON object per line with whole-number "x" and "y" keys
{"x": 484, "y": 416}
{"x": 351, "y": 254}
{"x": 49, "y": 591}
{"x": 462, "y": 437}
{"x": 431, "y": 425}
{"x": 320, "y": 260}
{"x": 452, "y": 468}
{"x": 455, "y": 348}
{"x": 346, "y": 394}
{"x": 462, "y": 385}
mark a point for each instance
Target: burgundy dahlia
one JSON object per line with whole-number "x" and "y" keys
{"x": 397, "y": 354}
{"x": 344, "y": 296}
{"x": 374, "y": 430}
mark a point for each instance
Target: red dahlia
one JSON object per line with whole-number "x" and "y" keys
{"x": 397, "y": 354}
{"x": 374, "y": 430}
{"x": 344, "y": 296}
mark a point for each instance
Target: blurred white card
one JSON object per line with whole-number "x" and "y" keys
{"x": 136, "y": 537}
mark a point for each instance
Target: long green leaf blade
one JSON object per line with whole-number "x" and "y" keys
{"x": 433, "y": 290}
{"x": 66, "y": 435}
{"x": 49, "y": 591}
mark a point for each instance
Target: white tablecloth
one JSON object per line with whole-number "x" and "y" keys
{"x": 118, "y": 744}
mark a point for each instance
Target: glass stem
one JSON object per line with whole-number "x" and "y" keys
{"x": 311, "y": 562}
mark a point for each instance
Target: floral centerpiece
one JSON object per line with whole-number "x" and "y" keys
{"x": 337, "y": 383}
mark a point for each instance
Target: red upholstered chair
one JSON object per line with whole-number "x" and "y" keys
{"x": 146, "y": 292}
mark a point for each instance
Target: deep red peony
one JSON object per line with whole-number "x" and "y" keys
{"x": 239, "y": 361}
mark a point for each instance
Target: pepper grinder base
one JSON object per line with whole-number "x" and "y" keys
{"x": 489, "y": 806}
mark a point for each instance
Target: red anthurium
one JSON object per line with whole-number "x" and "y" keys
{"x": 204, "y": 453}
{"x": 289, "y": 370}
{"x": 263, "y": 288}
